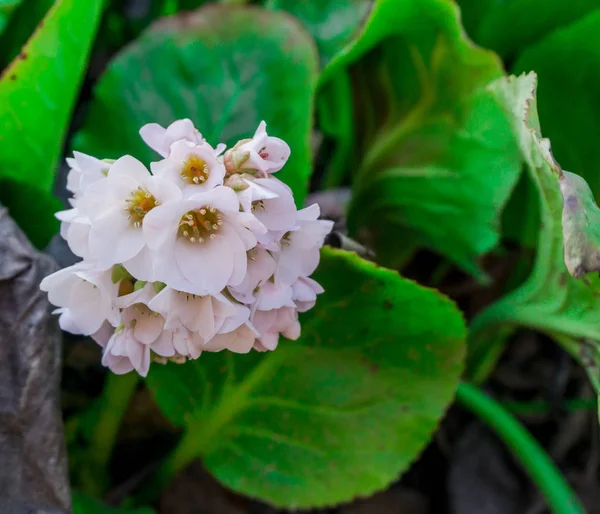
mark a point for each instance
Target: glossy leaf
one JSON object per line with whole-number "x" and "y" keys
{"x": 37, "y": 94}
{"x": 333, "y": 25}
{"x": 439, "y": 157}
{"x": 568, "y": 65}
{"x": 551, "y": 300}
{"x": 335, "y": 415}
{"x": 510, "y": 27}
{"x": 225, "y": 67}
{"x": 6, "y": 9}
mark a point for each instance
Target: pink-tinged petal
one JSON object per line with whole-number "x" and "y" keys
{"x": 195, "y": 345}
{"x": 128, "y": 166}
{"x": 163, "y": 189}
{"x": 252, "y": 223}
{"x": 240, "y": 340}
{"x": 221, "y": 197}
{"x": 103, "y": 334}
{"x": 148, "y": 327}
{"x": 292, "y": 332}
{"x": 113, "y": 239}
{"x": 78, "y": 235}
{"x": 270, "y": 340}
{"x": 207, "y": 265}
{"x": 163, "y": 346}
{"x": 232, "y": 322}
{"x": 271, "y": 297}
{"x": 66, "y": 321}
{"x": 153, "y": 135}
{"x": 142, "y": 265}
{"x": 161, "y": 223}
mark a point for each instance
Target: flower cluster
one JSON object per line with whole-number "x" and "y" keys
{"x": 206, "y": 252}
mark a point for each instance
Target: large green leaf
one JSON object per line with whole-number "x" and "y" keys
{"x": 333, "y": 24}
{"x": 6, "y": 9}
{"x": 568, "y": 65}
{"x": 439, "y": 157}
{"x": 339, "y": 413}
{"x": 551, "y": 300}
{"x": 226, "y": 68}
{"x": 37, "y": 94}
{"x": 509, "y": 27}
{"x": 24, "y": 17}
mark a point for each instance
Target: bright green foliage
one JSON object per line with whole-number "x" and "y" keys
{"x": 226, "y": 68}
{"x": 439, "y": 157}
{"x": 551, "y": 300}
{"x": 567, "y": 63}
{"x": 85, "y": 505}
{"x": 24, "y": 18}
{"x": 333, "y": 24}
{"x": 37, "y": 94}
{"x": 339, "y": 413}
{"x": 6, "y": 9}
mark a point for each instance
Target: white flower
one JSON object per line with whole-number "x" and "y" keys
{"x": 160, "y": 139}
{"x": 75, "y": 229}
{"x": 84, "y": 297}
{"x": 262, "y": 153}
{"x": 300, "y": 248}
{"x": 260, "y": 267}
{"x": 201, "y": 241}
{"x": 204, "y": 315}
{"x": 240, "y": 340}
{"x": 270, "y": 324}
{"x": 304, "y": 293}
{"x": 117, "y": 207}
{"x": 194, "y": 168}
{"x": 209, "y": 253}
{"x": 85, "y": 170}
{"x": 272, "y": 202}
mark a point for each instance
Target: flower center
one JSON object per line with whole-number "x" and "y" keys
{"x": 195, "y": 170}
{"x": 139, "y": 203}
{"x": 201, "y": 224}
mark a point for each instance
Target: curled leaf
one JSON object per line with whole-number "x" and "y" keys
{"x": 581, "y": 225}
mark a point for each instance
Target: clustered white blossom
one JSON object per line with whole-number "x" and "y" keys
{"x": 207, "y": 252}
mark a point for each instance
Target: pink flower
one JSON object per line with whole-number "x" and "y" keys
{"x": 270, "y": 324}
{"x": 262, "y": 153}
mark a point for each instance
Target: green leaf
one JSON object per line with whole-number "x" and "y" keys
{"x": 83, "y": 504}
{"x": 333, "y": 25}
{"x": 439, "y": 160}
{"x": 23, "y": 21}
{"x": 37, "y": 94}
{"x": 568, "y": 65}
{"x": 551, "y": 300}
{"x": 335, "y": 415}
{"x": 510, "y": 27}
{"x": 7, "y": 8}
{"x": 226, "y": 68}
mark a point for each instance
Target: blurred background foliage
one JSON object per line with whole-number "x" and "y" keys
{"x": 401, "y": 114}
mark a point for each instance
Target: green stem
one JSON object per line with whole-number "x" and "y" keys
{"x": 117, "y": 392}
{"x": 550, "y": 481}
